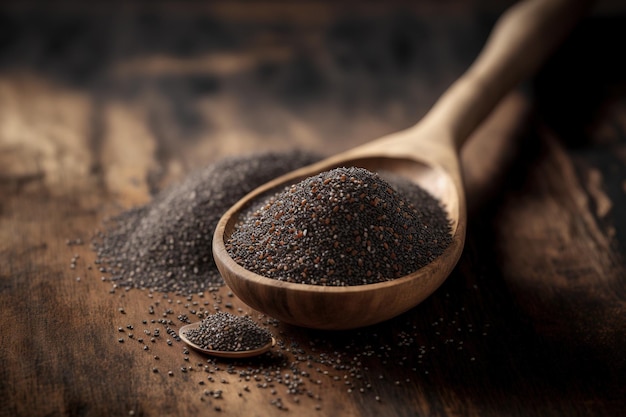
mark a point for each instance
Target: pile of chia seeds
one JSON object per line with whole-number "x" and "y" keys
{"x": 226, "y": 332}
{"x": 343, "y": 227}
{"x": 166, "y": 245}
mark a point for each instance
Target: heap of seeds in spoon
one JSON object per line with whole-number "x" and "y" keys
{"x": 226, "y": 332}
{"x": 346, "y": 226}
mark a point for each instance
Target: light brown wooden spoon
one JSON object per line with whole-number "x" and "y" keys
{"x": 427, "y": 154}
{"x": 222, "y": 353}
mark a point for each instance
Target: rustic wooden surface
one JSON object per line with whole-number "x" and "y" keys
{"x": 101, "y": 106}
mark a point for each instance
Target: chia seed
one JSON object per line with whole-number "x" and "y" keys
{"x": 346, "y": 226}
{"x": 296, "y": 371}
{"x": 166, "y": 244}
{"x": 226, "y": 332}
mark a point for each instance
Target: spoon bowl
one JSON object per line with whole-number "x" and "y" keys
{"x": 331, "y": 307}
{"x": 428, "y": 155}
{"x": 220, "y": 353}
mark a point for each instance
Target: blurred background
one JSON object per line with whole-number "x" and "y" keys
{"x": 201, "y": 79}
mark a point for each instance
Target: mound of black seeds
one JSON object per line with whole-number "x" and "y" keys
{"x": 342, "y": 227}
{"x": 166, "y": 244}
{"x": 226, "y": 332}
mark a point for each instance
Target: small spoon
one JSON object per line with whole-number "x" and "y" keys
{"x": 223, "y": 353}
{"x": 427, "y": 154}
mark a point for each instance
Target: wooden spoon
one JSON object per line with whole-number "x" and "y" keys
{"x": 427, "y": 154}
{"x": 182, "y": 332}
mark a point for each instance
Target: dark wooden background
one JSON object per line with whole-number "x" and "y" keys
{"x": 103, "y": 104}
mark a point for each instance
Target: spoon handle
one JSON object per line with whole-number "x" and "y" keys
{"x": 521, "y": 41}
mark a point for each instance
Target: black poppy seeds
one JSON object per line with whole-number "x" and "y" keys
{"x": 165, "y": 245}
{"x": 226, "y": 332}
{"x": 346, "y": 226}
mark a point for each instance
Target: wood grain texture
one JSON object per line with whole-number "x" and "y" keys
{"x": 102, "y": 106}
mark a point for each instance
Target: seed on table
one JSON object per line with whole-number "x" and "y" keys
{"x": 186, "y": 257}
{"x": 151, "y": 244}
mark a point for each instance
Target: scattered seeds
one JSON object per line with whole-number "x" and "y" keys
{"x": 159, "y": 246}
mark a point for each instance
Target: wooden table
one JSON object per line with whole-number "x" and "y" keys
{"x": 101, "y": 107}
